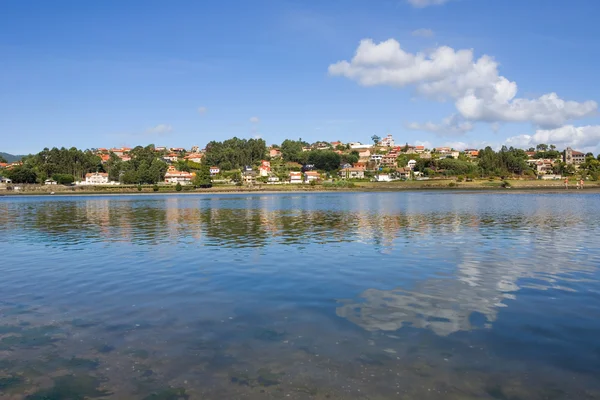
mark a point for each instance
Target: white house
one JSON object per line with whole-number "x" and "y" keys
{"x": 411, "y": 164}
{"x": 359, "y": 145}
{"x": 295, "y": 177}
{"x": 49, "y": 181}
{"x": 273, "y": 179}
{"x": 171, "y": 157}
{"x": 387, "y": 141}
{"x": 352, "y": 173}
{"x": 4, "y": 180}
{"x": 311, "y": 176}
{"x": 377, "y": 158}
{"x": 173, "y": 176}
{"x": 214, "y": 171}
{"x": 96, "y": 178}
{"x": 383, "y": 178}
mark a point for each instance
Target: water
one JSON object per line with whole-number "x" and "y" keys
{"x": 301, "y": 296}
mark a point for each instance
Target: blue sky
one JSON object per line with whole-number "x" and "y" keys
{"x": 179, "y": 73}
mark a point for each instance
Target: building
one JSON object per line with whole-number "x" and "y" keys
{"x": 104, "y": 158}
{"x": 214, "y": 171}
{"x": 387, "y": 141}
{"x": 419, "y": 149}
{"x": 249, "y": 177}
{"x": 390, "y": 159}
{"x": 173, "y": 176}
{"x": 265, "y": 168}
{"x": 195, "y": 149}
{"x": 383, "y": 178}
{"x": 125, "y": 157}
{"x": 310, "y": 176}
{"x": 5, "y": 180}
{"x": 359, "y": 146}
{"x": 472, "y": 153}
{"x": 172, "y": 157}
{"x": 295, "y": 177}
{"x": 96, "y": 178}
{"x": 543, "y": 167}
{"x": 177, "y": 149}
{"x": 411, "y": 164}
{"x": 50, "y": 181}
{"x": 160, "y": 148}
{"x": 352, "y": 173}
{"x": 120, "y": 151}
{"x": 376, "y": 158}
{"x": 275, "y": 153}
{"x": 573, "y": 157}
{"x": 194, "y": 157}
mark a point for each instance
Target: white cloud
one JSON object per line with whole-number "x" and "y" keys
{"x": 453, "y": 125}
{"x": 423, "y": 32}
{"x": 254, "y": 120}
{"x": 582, "y": 138}
{"x": 202, "y": 110}
{"x": 426, "y": 3}
{"x": 478, "y": 91}
{"x": 160, "y": 129}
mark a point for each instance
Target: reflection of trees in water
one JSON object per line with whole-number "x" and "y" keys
{"x": 254, "y": 224}
{"x": 482, "y": 282}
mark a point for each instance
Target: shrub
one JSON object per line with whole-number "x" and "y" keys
{"x": 452, "y": 184}
{"x": 178, "y": 187}
{"x": 460, "y": 178}
{"x": 506, "y": 184}
{"x": 155, "y": 188}
{"x": 139, "y": 188}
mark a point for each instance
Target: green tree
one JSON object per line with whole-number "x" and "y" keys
{"x": 376, "y": 139}
{"x": 63, "y": 179}
{"x": 178, "y": 187}
{"x": 3, "y": 160}
{"x": 291, "y": 150}
{"x": 202, "y": 178}
{"x": 22, "y": 174}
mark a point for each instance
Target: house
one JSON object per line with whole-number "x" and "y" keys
{"x": 419, "y": 149}
{"x": 571, "y": 156}
{"x": 160, "y": 148}
{"x": 173, "y": 176}
{"x": 376, "y": 158}
{"x": 387, "y": 141}
{"x": 214, "y": 171}
{"x": 273, "y": 179}
{"x": 265, "y": 168}
{"x": 194, "y": 157}
{"x": 472, "y": 153}
{"x": 530, "y": 154}
{"x": 50, "y": 181}
{"x": 125, "y": 157}
{"x": 310, "y": 176}
{"x": 336, "y": 144}
{"x": 411, "y": 164}
{"x": 542, "y": 166}
{"x": 295, "y": 177}
{"x": 96, "y": 178}
{"x": 177, "y": 150}
{"x": 104, "y": 158}
{"x": 403, "y": 173}
{"x": 275, "y": 153}
{"x": 345, "y": 166}
{"x": 249, "y": 177}
{"x": 195, "y": 149}
{"x": 120, "y": 151}
{"x": 3, "y": 165}
{"x": 390, "y": 159}
{"x": 364, "y": 154}
{"x": 5, "y": 180}
{"x": 383, "y": 178}
{"x": 172, "y": 157}
{"x": 352, "y": 173}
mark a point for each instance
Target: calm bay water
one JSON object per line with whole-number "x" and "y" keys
{"x": 301, "y": 296}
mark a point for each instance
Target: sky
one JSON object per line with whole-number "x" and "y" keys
{"x": 464, "y": 73}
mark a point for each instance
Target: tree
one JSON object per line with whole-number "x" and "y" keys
{"x": 376, "y": 139}
{"x": 63, "y": 179}
{"x": 235, "y": 153}
{"x": 178, "y": 187}
{"x": 22, "y": 174}
{"x": 202, "y": 178}
{"x": 542, "y": 147}
{"x": 3, "y": 160}
{"x": 324, "y": 160}
{"x": 291, "y": 150}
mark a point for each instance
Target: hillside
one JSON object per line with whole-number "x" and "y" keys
{"x": 9, "y": 157}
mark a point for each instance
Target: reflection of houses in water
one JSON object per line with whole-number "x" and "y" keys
{"x": 482, "y": 282}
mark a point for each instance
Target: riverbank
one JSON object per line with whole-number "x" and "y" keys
{"x": 510, "y": 186}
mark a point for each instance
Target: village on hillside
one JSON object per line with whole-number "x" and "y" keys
{"x": 251, "y": 162}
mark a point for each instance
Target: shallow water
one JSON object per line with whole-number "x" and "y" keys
{"x": 301, "y": 296}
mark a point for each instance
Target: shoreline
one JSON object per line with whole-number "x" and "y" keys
{"x": 524, "y": 189}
